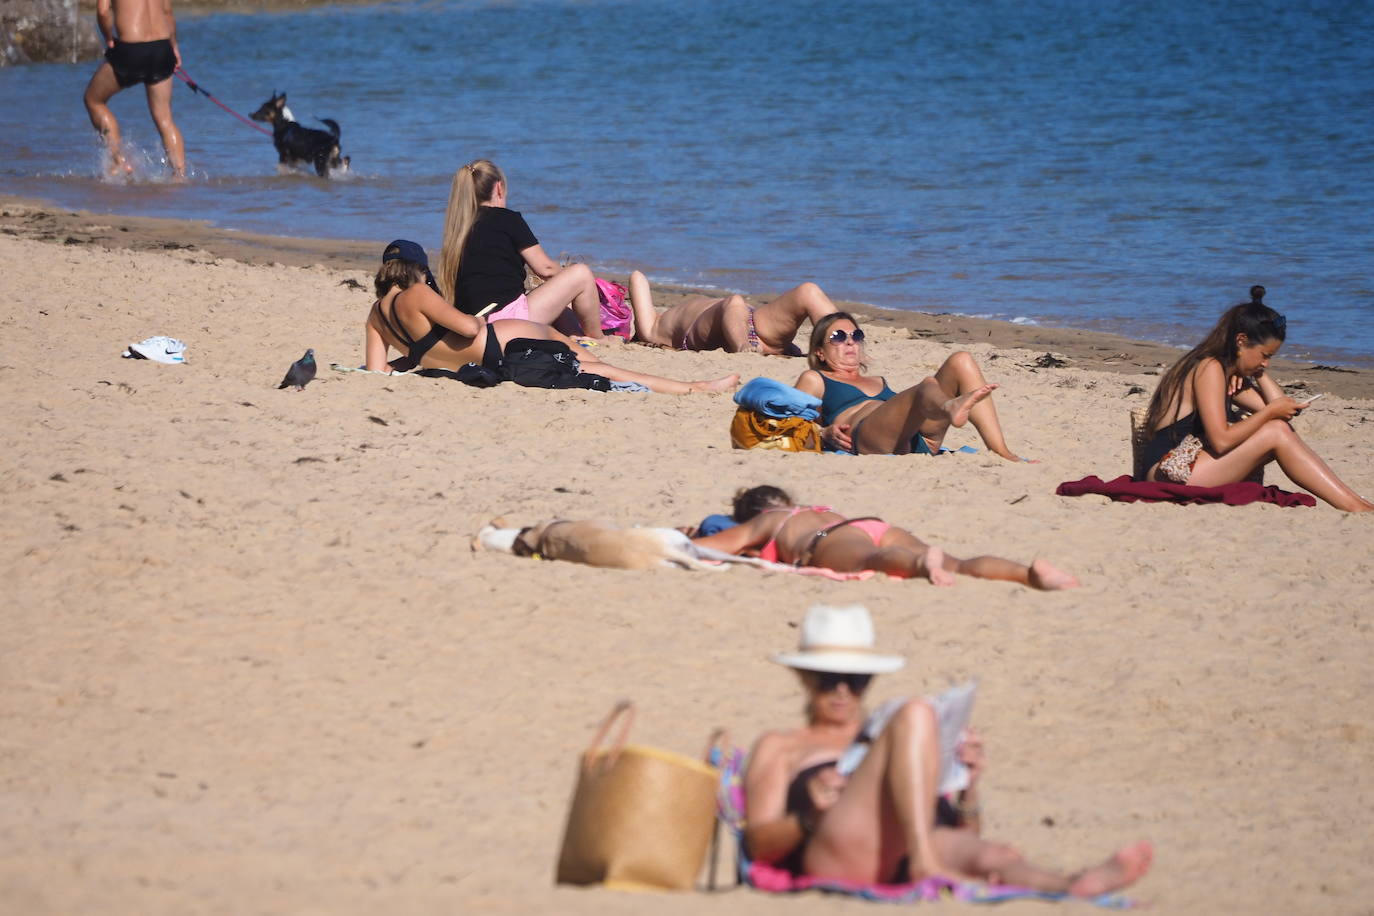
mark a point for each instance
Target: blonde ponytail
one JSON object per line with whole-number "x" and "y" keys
{"x": 473, "y": 185}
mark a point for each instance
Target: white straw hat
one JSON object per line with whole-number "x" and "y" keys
{"x": 838, "y": 639}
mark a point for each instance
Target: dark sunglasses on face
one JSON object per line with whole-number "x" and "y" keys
{"x": 827, "y": 681}
{"x": 839, "y": 336}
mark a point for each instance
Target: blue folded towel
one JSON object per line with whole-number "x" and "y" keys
{"x": 777, "y": 400}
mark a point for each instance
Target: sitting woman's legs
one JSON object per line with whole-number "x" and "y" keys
{"x": 1277, "y": 440}
{"x": 574, "y": 286}
{"x": 887, "y": 810}
{"x": 887, "y": 428}
{"x": 960, "y": 374}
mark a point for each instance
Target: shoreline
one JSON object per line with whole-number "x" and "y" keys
{"x": 42, "y": 220}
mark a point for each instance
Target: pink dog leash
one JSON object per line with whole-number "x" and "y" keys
{"x": 186, "y": 77}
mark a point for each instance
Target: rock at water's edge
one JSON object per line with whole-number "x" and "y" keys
{"x": 44, "y": 31}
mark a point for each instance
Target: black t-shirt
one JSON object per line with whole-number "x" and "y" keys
{"x": 491, "y": 269}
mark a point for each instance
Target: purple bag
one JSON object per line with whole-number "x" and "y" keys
{"x": 616, "y": 316}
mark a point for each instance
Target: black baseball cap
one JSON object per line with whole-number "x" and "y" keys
{"x": 404, "y": 250}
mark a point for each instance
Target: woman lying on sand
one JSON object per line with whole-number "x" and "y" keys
{"x": 862, "y": 415}
{"x": 410, "y": 316}
{"x": 486, "y": 249}
{"x": 881, "y": 821}
{"x": 1195, "y": 414}
{"x": 728, "y": 324}
{"x": 782, "y": 532}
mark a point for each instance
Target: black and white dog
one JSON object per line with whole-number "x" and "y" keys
{"x": 297, "y": 145}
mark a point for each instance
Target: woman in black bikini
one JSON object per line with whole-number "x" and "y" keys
{"x": 861, "y": 414}
{"x": 412, "y": 317}
{"x": 880, "y": 820}
{"x": 1200, "y": 437}
{"x": 782, "y": 532}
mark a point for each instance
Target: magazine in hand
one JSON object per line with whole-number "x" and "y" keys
{"x": 953, "y": 709}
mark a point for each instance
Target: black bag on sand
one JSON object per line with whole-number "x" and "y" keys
{"x": 548, "y": 364}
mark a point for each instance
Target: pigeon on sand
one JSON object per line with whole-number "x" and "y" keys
{"x": 300, "y": 373}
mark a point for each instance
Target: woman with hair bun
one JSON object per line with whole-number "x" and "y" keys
{"x": 485, "y": 251}
{"x": 1200, "y": 435}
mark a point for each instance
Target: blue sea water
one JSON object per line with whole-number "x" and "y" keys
{"x": 1127, "y": 166}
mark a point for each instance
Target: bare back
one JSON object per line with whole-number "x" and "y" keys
{"x": 143, "y": 20}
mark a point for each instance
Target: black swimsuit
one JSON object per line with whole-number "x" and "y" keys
{"x": 141, "y": 61}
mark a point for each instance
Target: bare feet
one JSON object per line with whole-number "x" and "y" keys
{"x": 959, "y": 407}
{"x": 1012, "y": 456}
{"x": 1124, "y": 868}
{"x": 934, "y": 561}
{"x": 724, "y": 383}
{"x": 1048, "y": 578}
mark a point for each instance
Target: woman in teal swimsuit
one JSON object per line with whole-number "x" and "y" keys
{"x": 861, "y": 414}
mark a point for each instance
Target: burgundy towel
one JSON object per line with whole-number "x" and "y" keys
{"x": 1125, "y": 489}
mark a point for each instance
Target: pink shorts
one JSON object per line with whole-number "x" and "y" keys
{"x": 516, "y": 308}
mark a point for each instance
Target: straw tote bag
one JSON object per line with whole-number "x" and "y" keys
{"x": 641, "y": 817}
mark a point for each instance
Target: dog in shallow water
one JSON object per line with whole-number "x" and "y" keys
{"x": 603, "y": 544}
{"x": 297, "y": 145}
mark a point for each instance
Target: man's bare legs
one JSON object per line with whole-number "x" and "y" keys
{"x": 1276, "y": 439}
{"x": 102, "y": 88}
{"x": 99, "y": 91}
{"x": 160, "y": 108}
{"x": 959, "y": 375}
{"x": 886, "y": 811}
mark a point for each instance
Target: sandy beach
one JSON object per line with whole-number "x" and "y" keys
{"x": 250, "y": 662}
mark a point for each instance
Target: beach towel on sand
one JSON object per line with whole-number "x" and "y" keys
{"x": 770, "y": 879}
{"x": 1128, "y": 490}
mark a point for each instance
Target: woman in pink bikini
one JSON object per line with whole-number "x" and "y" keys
{"x": 783, "y": 532}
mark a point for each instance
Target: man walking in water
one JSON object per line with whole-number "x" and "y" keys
{"x": 141, "y": 37}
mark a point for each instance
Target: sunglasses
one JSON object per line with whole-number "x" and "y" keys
{"x": 839, "y": 336}
{"x": 827, "y": 681}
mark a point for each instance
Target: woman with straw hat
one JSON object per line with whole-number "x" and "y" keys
{"x": 837, "y": 800}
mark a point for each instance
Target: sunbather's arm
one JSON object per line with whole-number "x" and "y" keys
{"x": 437, "y": 309}
{"x": 770, "y": 833}
{"x": 375, "y": 350}
{"x": 751, "y": 534}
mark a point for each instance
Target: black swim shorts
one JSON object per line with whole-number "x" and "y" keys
{"x": 141, "y": 61}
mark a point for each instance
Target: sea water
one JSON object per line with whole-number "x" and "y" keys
{"x": 1104, "y": 164}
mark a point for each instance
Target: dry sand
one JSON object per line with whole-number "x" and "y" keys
{"x": 251, "y": 665}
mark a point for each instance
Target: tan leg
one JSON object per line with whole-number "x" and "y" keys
{"x": 1277, "y": 440}
{"x": 646, "y": 316}
{"x": 959, "y": 375}
{"x": 778, "y": 321}
{"x": 99, "y": 91}
{"x": 160, "y": 107}
{"x": 573, "y": 285}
